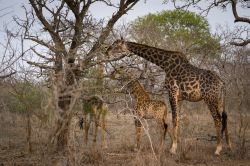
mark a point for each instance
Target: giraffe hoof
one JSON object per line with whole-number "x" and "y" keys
{"x": 172, "y": 151}
{"x": 136, "y": 149}
{"x": 218, "y": 150}
{"x": 217, "y": 153}
{"x": 105, "y": 147}
{"x": 230, "y": 147}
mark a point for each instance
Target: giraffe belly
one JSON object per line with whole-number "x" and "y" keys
{"x": 192, "y": 96}
{"x": 152, "y": 111}
{"x": 148, "y": 112}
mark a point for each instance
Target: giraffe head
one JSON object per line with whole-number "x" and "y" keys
{"x": 118, "y": 47}
{"x": 126, "y": 77}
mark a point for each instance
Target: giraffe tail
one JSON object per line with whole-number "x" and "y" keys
{"x": 165, "y": 129}
{"x": 165, "y": 123}
{"x": 80, "y": 123}
{"x": 224, "y": 119}
{"x": 224, "y": 122}
{"x": 224, "y": 113}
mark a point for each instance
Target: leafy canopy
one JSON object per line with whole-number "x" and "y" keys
{"x": 177, "y": 30}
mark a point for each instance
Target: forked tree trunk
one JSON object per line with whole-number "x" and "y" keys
{"x": 64, "y": 101}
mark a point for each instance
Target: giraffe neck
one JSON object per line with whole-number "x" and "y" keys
{"x": 155, "y": 55}
{"x": 139, "y": 93}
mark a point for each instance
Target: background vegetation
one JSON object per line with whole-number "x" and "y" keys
{"x": 56, "y": 59}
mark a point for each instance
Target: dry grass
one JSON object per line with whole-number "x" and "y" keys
{"x": 195, "y": 147}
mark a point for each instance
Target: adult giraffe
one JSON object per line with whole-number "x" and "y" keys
{"x": 183, "y": 82}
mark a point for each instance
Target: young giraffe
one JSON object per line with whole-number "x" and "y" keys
{"x": 148, "y": 109}
{"x": 183, "y": 82}
{"x": 94, "y": 109}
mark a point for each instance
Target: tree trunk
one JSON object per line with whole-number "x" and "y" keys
{"x": 63, "y": 122}
{"x": 64, "y": 83}
{"x": 62, "y": 139}
{"x": 28, "y": 129}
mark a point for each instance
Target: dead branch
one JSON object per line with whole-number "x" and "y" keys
{"x": 7, "y": 75}
{"x": 221, "y": 4}
{"x": 125, "y": 5}
{"x": 243, "y": 43}
{"x": 236, "y": 15}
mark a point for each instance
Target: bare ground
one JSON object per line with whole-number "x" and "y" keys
{"x": 196, "y": 145}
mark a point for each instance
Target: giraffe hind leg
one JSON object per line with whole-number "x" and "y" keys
{"x": 224, "y": 119}
{"x": 162, "y": 130}
{"x": 225, "y": 129}
{"x": 103, "y": 126}
{"x": 138, "y": 127}
{"x": 175, "y": 121}
{"x": 214, "y": 109}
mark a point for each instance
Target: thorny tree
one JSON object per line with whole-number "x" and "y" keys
{"x": 68, "y": 40}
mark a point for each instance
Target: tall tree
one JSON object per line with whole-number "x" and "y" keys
{"x": 67, "y": 39}
{"x": 176, "y": 30}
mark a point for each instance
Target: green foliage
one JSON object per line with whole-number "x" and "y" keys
{"x": 177, "y": 30}
{"x": 87, "y": 107}
{"x": 93, "y": 80}
{"x": 21, "y": 97}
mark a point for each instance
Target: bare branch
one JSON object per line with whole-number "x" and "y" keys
{"x": 42, "y": 56}
{"x": 7, "y": 75}
{"x": 56, "y": 38}
{"x": 124, "y": 7}
{"x": 244, "y": 43}
{"x": 235, "y": 13}
{"x": 40, "y": 65}
{"x": 79, "y": 15}
{"x": 222, "y": 4}
{"x": 41, "y": 42}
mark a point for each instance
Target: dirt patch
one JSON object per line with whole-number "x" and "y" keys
{"x": 196, "y": 145}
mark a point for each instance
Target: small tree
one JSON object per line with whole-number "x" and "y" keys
{"x": 25, "y": 98}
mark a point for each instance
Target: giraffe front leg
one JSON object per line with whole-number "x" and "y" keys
{"x": 95, "y": 132}
{"x": 138, "y": 129}
{"x": 175, "y": 121}
{"x": 86, "y": 128}
{"x": 104, "y": 139}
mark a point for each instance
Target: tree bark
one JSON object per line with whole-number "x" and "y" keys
{"x": 63, "y": 122}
